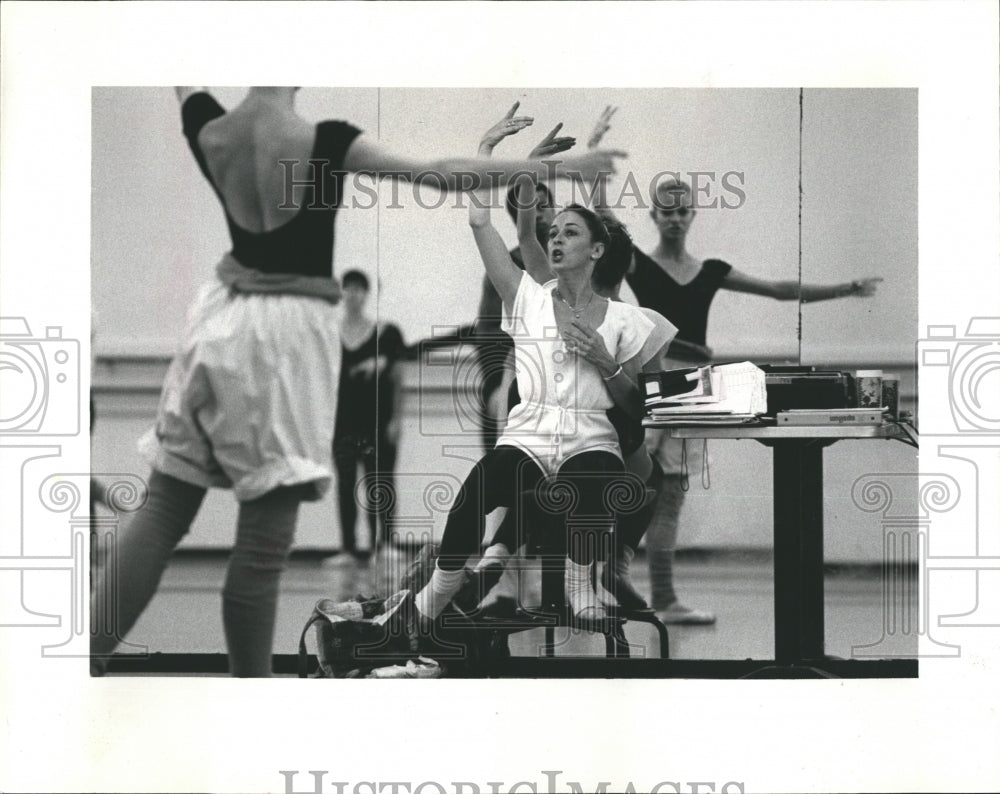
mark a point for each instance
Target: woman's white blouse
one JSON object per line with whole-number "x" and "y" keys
{"x": 564, "y": 400}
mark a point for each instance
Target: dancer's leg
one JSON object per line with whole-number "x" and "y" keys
{"x": 345, "y": 458}
{"x": 380, "y": 464}
{"x": 132, "y": 572}
{"x": 264, "y": 533}
{"x": 661, "y": 541}
{"x": 497, "y": 479}
{"x": 592, "y": 477}
{"x": 631, "y": 525}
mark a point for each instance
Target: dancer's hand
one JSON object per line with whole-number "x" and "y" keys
{"x": 585, "y": 341}
{"x": 865, "y": 287}
{"x": 550, "y": 144}
{"x": 602, "y": 126}
{"x": 508, "y": 125}
{"x": 594, "y": 165}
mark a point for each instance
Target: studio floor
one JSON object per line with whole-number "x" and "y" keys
{"x": 185, "y": 615}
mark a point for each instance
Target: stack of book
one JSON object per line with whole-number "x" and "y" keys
{"x": 727, "y": 394}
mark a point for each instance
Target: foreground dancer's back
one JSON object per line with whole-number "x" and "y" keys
{"x": 249, "y": 402}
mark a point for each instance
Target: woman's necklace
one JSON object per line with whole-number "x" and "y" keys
{"x": 577, "y": 310}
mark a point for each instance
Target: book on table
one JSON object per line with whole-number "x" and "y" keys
{"x": 725, "y": 394}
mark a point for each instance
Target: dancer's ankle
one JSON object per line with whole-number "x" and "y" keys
{"x": 580, "y": 592}
{"x": 439, "y": 591}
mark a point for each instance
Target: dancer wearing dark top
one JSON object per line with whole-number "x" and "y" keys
{"x": 249, "y": 402}
{"x": 368, "y": 415}
{"x": 680, "y": 287}
{"x": 686, "y": 305}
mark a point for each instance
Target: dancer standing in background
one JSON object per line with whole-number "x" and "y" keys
{"x": 369, "y": 407}
{"x": 249, "y": 402}
{"x": 681, "y": 287}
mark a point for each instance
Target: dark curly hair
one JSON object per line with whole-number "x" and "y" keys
{"x": 611, "y": 268}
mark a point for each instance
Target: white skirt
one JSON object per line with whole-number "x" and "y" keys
{"x": 250, "y": 399}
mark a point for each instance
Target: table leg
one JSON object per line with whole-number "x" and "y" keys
{"x": 798, "y": 550}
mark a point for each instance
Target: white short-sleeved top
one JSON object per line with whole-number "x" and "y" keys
{"x": 564, "y": 400}
{"x": 663, "y": 331}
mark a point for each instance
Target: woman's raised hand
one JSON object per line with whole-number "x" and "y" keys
{"x": 508, "y": 125}
{"x": 602, "y": 126}
{"x": 550, "y": 144}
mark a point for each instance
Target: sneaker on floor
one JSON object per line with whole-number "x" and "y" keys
{"x": 678, "y": 614}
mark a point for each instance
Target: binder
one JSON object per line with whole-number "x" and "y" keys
{"x": 678, "y": 385}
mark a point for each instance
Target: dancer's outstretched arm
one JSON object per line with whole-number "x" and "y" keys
{"x": 470, "y": 174}
{"x": 792, "y": 290}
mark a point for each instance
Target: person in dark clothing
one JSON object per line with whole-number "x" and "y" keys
{"x": 368, "y": 417}
{"x": 681, "y": 287}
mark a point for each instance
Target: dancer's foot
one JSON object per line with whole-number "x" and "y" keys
{"x": 342, "y": 559}
{"x": 604, "y": 597}
{"x": 475, "y": 589}
{"x": 501, "y": 608}
{"x": 677, "y": 614}
{"x": 616, "y": 579}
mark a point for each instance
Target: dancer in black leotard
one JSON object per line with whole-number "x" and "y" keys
{"x": 677, "y": 285}
{"x": 368, "y": 417}
{"x": 249, "y": 402}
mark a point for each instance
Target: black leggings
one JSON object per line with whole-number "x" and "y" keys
{"x": 379, "y": 461}
{"x": 575, "y": 508}
{"x": 631, "y": 520}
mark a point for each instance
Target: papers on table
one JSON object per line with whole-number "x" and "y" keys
{"x": 724, "y": 394}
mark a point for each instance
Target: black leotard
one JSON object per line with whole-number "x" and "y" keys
{"x": 304, "y": 245}
{"x": 685, "y": 305}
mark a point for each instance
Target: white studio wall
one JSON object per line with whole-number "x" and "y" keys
{"x": 157, "y": 232}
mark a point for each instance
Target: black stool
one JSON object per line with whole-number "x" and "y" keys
{"x": 492, "y": 648}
